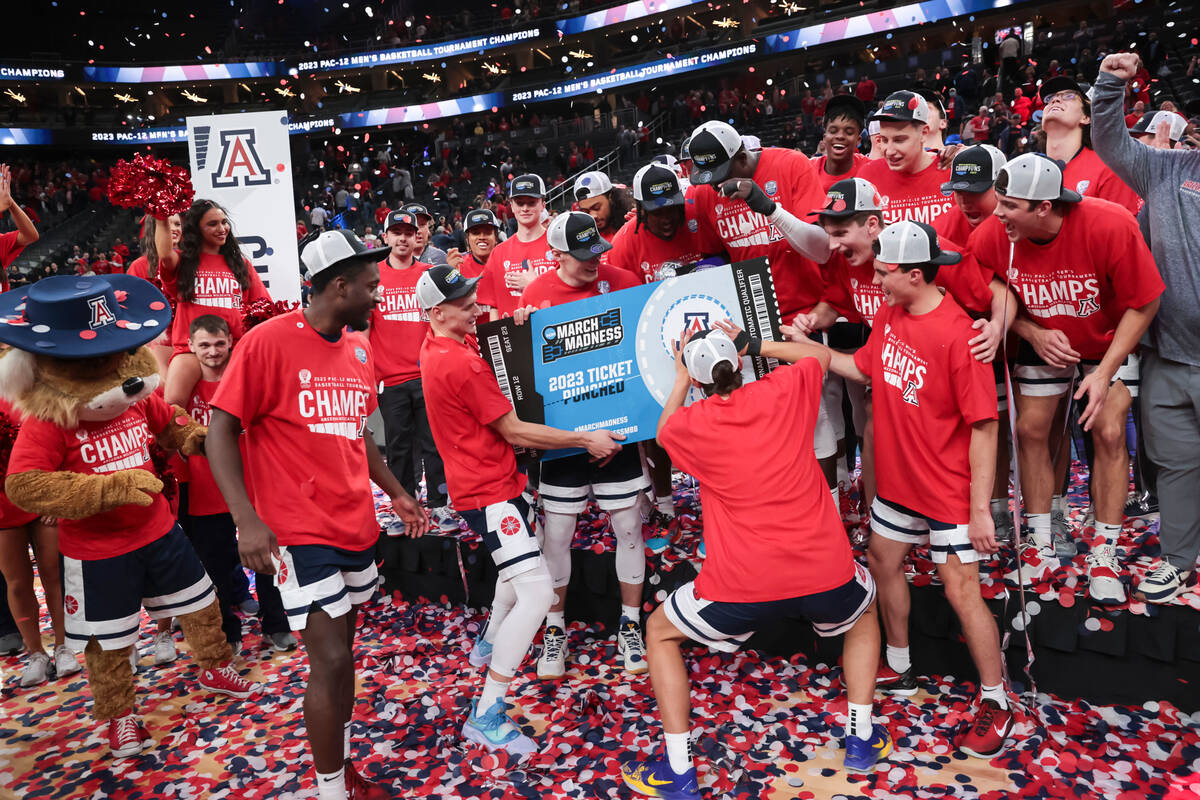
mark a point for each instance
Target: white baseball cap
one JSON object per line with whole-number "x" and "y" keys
{"x": 707, "y": 349}
{"x": 333, "y": 248}
{"x": 1036, "y": 177}
{"x": 591, "y": 184}
{"x": 909, "y": 242}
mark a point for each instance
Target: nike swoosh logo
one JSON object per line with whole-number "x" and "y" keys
{"x": 654, "y": 782}
{"x": 882, "y": 744}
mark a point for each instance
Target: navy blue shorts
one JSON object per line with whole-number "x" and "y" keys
{"x": 328, "y": 578}
{"x": 726, "y": 626}
{"x": 567, "y": 482}
{"x": 104, "y": 598}
{"x": 505, "y": 528}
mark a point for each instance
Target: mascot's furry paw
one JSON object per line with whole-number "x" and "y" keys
{"x": 193, "y": 445}
{"x": 130, "y": 486}
{"x": 183, "y": 434}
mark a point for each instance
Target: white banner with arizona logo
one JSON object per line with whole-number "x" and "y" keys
{"x": 243, "y": 162}
{"x": 607, "y": 362}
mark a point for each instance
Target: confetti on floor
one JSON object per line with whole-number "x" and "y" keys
{"x": 765, "y": 727}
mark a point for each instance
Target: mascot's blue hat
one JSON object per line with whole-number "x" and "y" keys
{"x": 67, "y": 316}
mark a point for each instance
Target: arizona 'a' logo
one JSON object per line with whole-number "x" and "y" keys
{"x": 1088, "y": 306}
{"x": 239, "y": 162}
{"x": 910, "y": 394}
{"x": 101, "y": 314}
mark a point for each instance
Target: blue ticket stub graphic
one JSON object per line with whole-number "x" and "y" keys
{"x": 607, "y": 361}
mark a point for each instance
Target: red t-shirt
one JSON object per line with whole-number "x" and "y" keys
{"x": 770, "y": 525}
{"x": 304, "y": 401}
{"x": 100, "y": 448}
{"x": 216, "y": 292}
{"x": 643, "y": 254}
{"x": 513, "y": 255}
{"x": 10, "y": 515}
{"x": 203, "y": 495}
{"x": 953, "y": 225}
{"x": 927, "y": 391}
{"x": 9, "y": 250}
{"x": 852, "y": 291}
{"x": 826, "y": 180}
{"x": 140, "y": 268}
{"x": 1088, "y": 175}
{"x": 909, "y": 195}
{"x": 462, "y": 399}
{"x": 398, "y": 325}
{"x": 1084, "y": 280}
{"x": 788, "y": 178}
{"x": 550, "y": 290}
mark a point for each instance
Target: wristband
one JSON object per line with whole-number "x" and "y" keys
{"x": 754, "y": 347}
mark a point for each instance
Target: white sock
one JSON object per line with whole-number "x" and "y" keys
{"x": 493, "y": 690}
{"x": 679, "y": 752}
{"x": 843, "y": 476}
{"x": 860, "y": 720}
{"x": 631, "y": 613}
{"x": 332, "y": 786}
{"x": 1059, "y": 503}
{"x": 996, "y": 693}
{"x": 1039, "y": 527}
{"x": 999, "y": 505}
{"x": 1107, "y": 533}
{"x": 346, "y": 741}
{"x": 898, "y": 659}
{"x": 558, "y": 618}
{"x": 836, "y": 498}
{"x": 666, "y": 506}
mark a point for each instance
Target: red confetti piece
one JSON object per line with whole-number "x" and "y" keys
{"x": 157, "y": 305}
{"x": 87, "y": 335}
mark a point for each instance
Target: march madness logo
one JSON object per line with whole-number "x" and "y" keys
{"x": 570, "y": 338}
{"x": 239, "y": 162}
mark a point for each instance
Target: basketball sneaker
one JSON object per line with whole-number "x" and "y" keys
{"x": 496, "y": 731}
{"x": 65, "y": 661}
{"x": 481, "y": 652}
{"x": 631, "y": 647}
{"x": 1104, "y": 575}
{"x": 863, "y": 754}
{"x": 1060, "y": 535}
{"x": 892, "y": 682}
{"x": 1034, "y": 562}
{"x": 991, "y": 727}
{"x": 552, "y": 663}
{"x": 1163, "y": 583}
{"x": 164, "y": 648}
{"x": 126, "y": 736}
{"x": 657, "y": 779}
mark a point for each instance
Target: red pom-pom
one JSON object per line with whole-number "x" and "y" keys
{"x": 263, "y": 310}
{"x": 154, "y": 184}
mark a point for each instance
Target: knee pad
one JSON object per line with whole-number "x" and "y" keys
{"x": 631, "y": 560}
{"x": 558, "y": 531}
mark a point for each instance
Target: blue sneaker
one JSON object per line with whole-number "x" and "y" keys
{"x": 863, "y": 754}
{"x": 481, "y": 653}
{"x": 700, "y": 551}
{"x": 658, "y": 544}
{"x": 495, "y": 731}
{"x": 657, "y": 779}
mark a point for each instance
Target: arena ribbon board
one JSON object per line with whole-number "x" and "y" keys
{"x": 607, "y": 361}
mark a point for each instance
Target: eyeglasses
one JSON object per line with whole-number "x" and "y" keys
{"x": 1063, "y": 97}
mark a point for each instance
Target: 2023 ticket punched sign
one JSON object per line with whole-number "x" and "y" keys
{"x": 607, "y": 361}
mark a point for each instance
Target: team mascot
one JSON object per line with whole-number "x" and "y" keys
{"x": 84, "y": 384}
